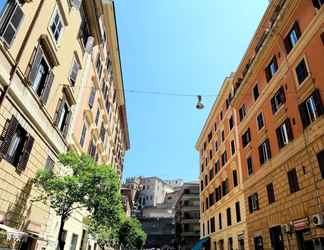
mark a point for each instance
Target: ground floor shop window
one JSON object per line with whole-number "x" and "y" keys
{"x": 258, "y": 243}
{"x": 276, "y": 238}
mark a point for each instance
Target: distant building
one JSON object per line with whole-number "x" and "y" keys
{"x": 187, "y": 216}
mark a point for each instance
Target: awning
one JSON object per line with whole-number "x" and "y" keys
{"x": 14, "y": 234}
{"x": 199, "y": 244}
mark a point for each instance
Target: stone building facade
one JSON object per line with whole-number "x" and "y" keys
{"x": 278, "y": 95}
{"x": 48, "y": 53}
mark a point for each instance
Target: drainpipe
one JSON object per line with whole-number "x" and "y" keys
{"x": 21, "y": 52}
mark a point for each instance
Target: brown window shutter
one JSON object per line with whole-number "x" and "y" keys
{"x": 36, "y": 62}
{"x": 58, "y": 111}
{"x": 290, "y": 131}
{"x": 250, "y": 204}
{"x": 282, "y": 94}
{"x": 47, "y": 88}
{"x": 318, "y": 102}
{"x": 7, "y": 134}
{"x": 49, "y": 163}
{"x": 25, "y": 154}
{"x": 261, "y": 155}
{"x": 287, "y": 44}
{"x": 303, "y": 115}
{"x": 322, "y": 38}
{"x": 297, "y": 29}
{"x": 279, "y": 138}
{"x": 67, "y": 123}
{"x": 267, "y": 142}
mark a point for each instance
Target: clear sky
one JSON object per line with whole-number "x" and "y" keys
{"x": 182, "y": 46}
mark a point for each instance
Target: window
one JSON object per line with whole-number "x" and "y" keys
{"x": 217, "y": 166}
{"x": 293, "y": 181}
{"x": 83, "y": 135}
{"x": 301, "y": 71}
{"x": 220, "y": 221}
{"x": 242, "y": 112}
{"x": 211, "y": 199}
{"x": 16, "y": 144}
{"x": 311, "y": 109}
{"x": 210, "y": 154}
{"x": 225, "y": 187}
{"x": 218, "y": 193}
{"x": 253, "y": 202}
{"x": 235, "y": 181}
{"x": 223, "y": 136}
{"x": 320, "y": 159}
{"x": 260, "y": 121}
{"x": 271, "y": 69}
{"x": 74, "y": 72}
{"x": 92, "y": 149}
{"x": 56, "y": 25}
{"x": 216, "y": 146}
{"x": 84, "y": 32}
{"x": 292, "y": 37}
{"x": 98, "y": 66}
{"x": 74, "y": 242}
{"x": 212, "y": 224}
{"x": 224, "y": 158}
{"x": 92, "y": 97}
{"x": 318, "y": 3}
{"x": 271, "y": 194}
{"x": 264, "y": 151}
{"x": 232, "y": 147}
{"x": 97, "y": 116}
{"x": 246, "y": 138}
{"x": 207, "y": 203}
{"x": 10, "y": 20}
{"x": 238, "y": 211}
{"x": 256, "y": 92}
{"x": 62, "y": 116}
{"x": 210, "y": 136}
{"x": 278, "y": 100}
{"x": 41, "y": 75}
{"x": 231, "y": 123}
{"x": 201, "y": 185}
{"x": 229, "y": 216}
{"x": 49, "y": 165}
{"x": 221, "y": 115}
{"x": 249, "y": 165}
{"x": 102, "y": 133}
{"x": 206, "y": 180}
{"x": 211, "y": 174}
{"x": 284, "y": 133}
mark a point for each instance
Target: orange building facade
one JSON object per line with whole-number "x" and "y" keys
{"x": 278, "y": 94}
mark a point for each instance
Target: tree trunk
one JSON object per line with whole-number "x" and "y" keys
{"x": 61, "y": 241}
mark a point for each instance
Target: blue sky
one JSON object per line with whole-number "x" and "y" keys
{"x": 182, "y": 46}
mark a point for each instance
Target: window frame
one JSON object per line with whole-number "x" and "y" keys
{"x": 263, "y": 121}
{"x": 298, "y": 83}
{"x": 293, "y": 181}
{"x": 56, "y": 10}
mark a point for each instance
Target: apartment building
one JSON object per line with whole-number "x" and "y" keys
{"x": 222, "y": 217}
{"x": 48, "y": 51}
{"x": 278, "y": 95}
{"x": 187, "y": 216}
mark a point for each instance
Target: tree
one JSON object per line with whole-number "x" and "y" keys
{"x": 131, "y": 234}
{"x": 84, "y": 184}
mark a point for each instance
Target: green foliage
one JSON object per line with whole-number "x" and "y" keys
{"x": 131, "y": 234}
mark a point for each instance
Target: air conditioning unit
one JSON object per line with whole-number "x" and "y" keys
{"x": 286, "y": 228}
{"x": 317, "y": 220}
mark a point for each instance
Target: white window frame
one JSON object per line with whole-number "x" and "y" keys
{"x": 257, "y": 121}
{"x": 312, "y": 114}
{"x": 56, "y": 11}
{"x": 265, "y": 151}
{"x": 284, "y": 133}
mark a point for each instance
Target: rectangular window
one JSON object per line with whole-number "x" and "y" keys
{"x": 242, "y": 112}
{"x": 10, "y": 20}
{"x": 264, "y": 151}
{"x": 320, "y": 159}
{"x": 207, "y": 203}
{"x": 217, "y": 166}
{"x": 225, "y": 187}
{"x": 246, "y": 138}
{"x": 293, "y": 181}
{"x": 201, "y": 185}
{"x": 238, "y": 211}
{"x": 301, "y": 71}
{"x": 74, "y": 72}
{"x": 224, "y": 158}
{"x": 233, "y": 147}
{"x": 256, "y": 92}
{"x": 229, "y": 216}
{"x": 231, "y": 123}
{"x": 253, "y": 201}
{"x": 220, "y": 221}
{"x": 292, "y": 37}
{"x": 212, "y": 225}
{"x": 278, "y": 100}
{"x": 284, "y": 133}
{"x": 97, "y": 116}
{"x": 49, "y": 165}
{"x": 260, "y": 121}
{"x": 211, "y": 174}
{"x": 16, "y": 144}
{"x": 271, "y": 194}
{"x": 83, "y": 135}
{"x": 210, "y": 154}
{"x": 216, "y": 146}
{"x": 311, "y": 108}
{"x": 206, "y": 180}
{"x": 74, "y": 242}
{"x": 250, "y": 166}
{"x": 98, "y": 66}
{"x": 56, "y": 25}
{"x": 271, "y": 69}
{"x": 235, "y": 180}
{"x": 223, "y": 136}
{"x": 221, "y": 115}
{"x": 92, "y": 97}
{"x": 210, "y": 136}
{"x": 63, "y": 116}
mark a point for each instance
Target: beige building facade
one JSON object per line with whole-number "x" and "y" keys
{"x": 53, "y": 56}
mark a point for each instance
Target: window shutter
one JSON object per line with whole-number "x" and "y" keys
{"x": 297, "y": 29}
{"x": 58, "y": 111}
{"x": 25, "y": 154}
{"x": 320, "y": 159}
{"x": 303, "y": 115}
{"x": 282, "y": 94}
{"x": 74, "y": 72}
{"x": 322, "y": 38}
{"x": 289, "y": 130}
{"x": 37, "y": 60}
{"x": 257, "y": 200}
{"x": 250, "y": 204}
{"x": 49, "y": 163}
{"x": 316, "y": 4}
{"x": 287, "y": 44}
{"x": 273, "y": 106}
{"x": 76, "y": 3}
{"x": 11, "y": 28}
{"x": 47, "y": 88}
{"x": 267, "y": 142}
{"x": 67, "y": 123}
{"x": 261, "y": 157}
{"x": 279, "y": 137}
{"x": 7, "y": 134}
{"x": 92, "y": 97}
{"x": 318, "y": 102}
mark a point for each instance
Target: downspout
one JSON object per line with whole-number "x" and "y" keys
{"x": 21, "y": 52}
